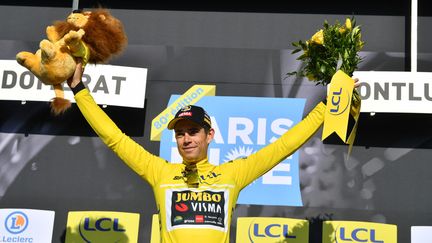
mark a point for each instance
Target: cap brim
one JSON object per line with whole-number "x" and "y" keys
{"x": 172, "y": 123}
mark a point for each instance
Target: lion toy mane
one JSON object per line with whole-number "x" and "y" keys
{"x": 93, "y": 36}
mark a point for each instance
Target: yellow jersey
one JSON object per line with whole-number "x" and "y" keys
{"x": 196, "y": 201}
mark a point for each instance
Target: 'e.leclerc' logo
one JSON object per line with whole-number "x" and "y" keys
{"x": 16, "y": 222}
{"x": 243, "y": 125}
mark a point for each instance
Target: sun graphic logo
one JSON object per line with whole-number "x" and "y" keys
{"x": 16, "y": 222}
{"x": 240, "y": 152}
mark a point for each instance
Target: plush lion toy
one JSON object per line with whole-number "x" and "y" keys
{"x": 94, "y": 36}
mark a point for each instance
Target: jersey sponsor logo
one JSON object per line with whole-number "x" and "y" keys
{"x": 178, "y": 219}
{"x": 181, "y": 207}
{"x": 210, "y": 178}
{"x": 181, "y": 177}
{"x": 188, "y": 113}
{"x": 204, "y": 196}
{"x": 194, "y": 208}
{"x": 199, "y": 218}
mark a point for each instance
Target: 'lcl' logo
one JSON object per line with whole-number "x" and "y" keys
{"x": 99, "y": 225}
{"x": 336, "y": 103}
{"x": 272, "y": 231}
{"x": 359, "y": 235}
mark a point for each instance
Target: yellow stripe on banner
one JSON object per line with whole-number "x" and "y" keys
{"x": 338, "y": 106}
{"x": 155, "y": 229}
{"x": 190, "y": 97}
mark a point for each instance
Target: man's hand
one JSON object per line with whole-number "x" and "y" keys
{"x": 356, "y": 83}
{"x": 76, "y": 77}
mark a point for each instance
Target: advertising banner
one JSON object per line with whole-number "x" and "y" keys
{"x": 155, "y": 229}
{"x": 100, "y": 226}
{"x": 421, "y": 234}
{"x": 270, "y": 230}
{"x": 242, "y": 126}
{"x": 26, "y": 225}
{"x": 395, "y": 92}
{"x": 356, "y": 231}
{"x": 109, "y": 84}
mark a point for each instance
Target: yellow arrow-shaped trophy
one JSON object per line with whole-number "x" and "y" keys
{"x": 342, "y": 101}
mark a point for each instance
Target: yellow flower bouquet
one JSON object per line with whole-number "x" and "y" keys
{"x": 331, "y": 55}
{"x": 332, "y": 48}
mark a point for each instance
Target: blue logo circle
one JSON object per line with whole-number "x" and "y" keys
{"x": 16, "y": 222}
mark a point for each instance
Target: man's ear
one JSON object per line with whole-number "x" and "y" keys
{"x": 210, "y": 135}
{"x": 102, "y": 17}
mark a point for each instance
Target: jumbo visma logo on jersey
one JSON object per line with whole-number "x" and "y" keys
{"x": 206, "y": 208}
{"x": 99, "y": 226}
{"x": 243, "y": 125}
{"x": 358, "y": 232}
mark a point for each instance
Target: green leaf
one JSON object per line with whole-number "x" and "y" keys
{"x": 295, "y": 51}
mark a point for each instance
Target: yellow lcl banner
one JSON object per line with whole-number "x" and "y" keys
{"x": 101, "y": 226}
{"x": 155, "y": 230}
{"x": 358, "y": 232}
{"x": 266, "y": 230}
{"x": 190, "y": 97}
{"x": 342, "y": 101}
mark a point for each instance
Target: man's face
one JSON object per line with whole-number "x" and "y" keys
{"x": 192, "y": 140}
